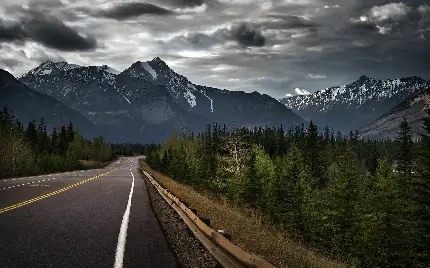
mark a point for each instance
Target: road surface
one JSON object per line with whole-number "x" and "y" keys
{"x": 95, "y": 218}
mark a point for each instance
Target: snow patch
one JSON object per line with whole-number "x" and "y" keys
{"x": 212, "y": 102}
{"x": 190, "y": 98}
{"x": 149, "y": 69}
{"x": 301, "y": 91}
{"x": 129, "y": 102}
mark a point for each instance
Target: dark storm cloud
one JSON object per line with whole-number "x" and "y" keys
{"x": 53, "y": 33}
{"x": 360, "y": 27}
{"x": 185, "y": 3}
{"x": 10, "y": 31}
{"x": 133, "y": 9}
{"x": 46, "y": 30}
{"x": 245, "y": 34}
{"x": 289, "y": 21}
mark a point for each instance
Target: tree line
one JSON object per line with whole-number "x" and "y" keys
{"x": 31, "y": 150}
{"x": 365, "y": 202}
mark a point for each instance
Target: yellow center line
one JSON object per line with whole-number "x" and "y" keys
{"x": 21, "y": 204}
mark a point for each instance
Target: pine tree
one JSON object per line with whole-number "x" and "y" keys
{"x": 421, "y": 198}
{"x": 260, "y": 177}
{"x": 289, "y": 189}
{"x": 31, "y": 133}
{"x": 70, "y": 132}
{"x": 63, "y": 141}
{"x": 343, "y": 204}
{"x": 313, "y": 154}
{"x": 54, "y": 142}
{"x": 405, "y": 155}
{"x": 383, "y": 237}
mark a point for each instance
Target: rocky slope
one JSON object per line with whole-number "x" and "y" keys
{"x": 413, "y": 109}
{"x": 148, "y": 100}
{"x": 27, "y": 104}
{"x": 354, "y": 105}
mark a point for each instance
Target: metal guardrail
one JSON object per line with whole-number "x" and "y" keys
{"x": 225, "y": 252}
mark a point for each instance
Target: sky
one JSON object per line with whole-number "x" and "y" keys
{"x": 276, "y": 47}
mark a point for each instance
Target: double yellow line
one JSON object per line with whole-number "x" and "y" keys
{"x": 24, "y": 203}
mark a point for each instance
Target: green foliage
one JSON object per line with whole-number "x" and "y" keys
{"x": 405, "y": 154}
{"x": 420, "y": 193}
{"x": 31, "y": 150}
{"x": 338, "y": 193}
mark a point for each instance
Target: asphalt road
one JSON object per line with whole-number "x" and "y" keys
{"x": 95, "y": 218}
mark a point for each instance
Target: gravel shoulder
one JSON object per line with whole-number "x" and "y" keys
{"x": 187, "y": 249}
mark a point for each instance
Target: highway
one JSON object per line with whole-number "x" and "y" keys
{"x": 94, "y": 218}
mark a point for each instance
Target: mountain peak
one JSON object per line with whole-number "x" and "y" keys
{"x": 48, "y": 67}
{"x": 142, "y": 70}
{"x": 363, "y": 79}
{"x": 159, "y": 63}
{"x": 157, "y": 59}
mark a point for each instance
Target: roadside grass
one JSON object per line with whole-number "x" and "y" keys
{"x": 87, "y": 164}
{"x": 247, "y": 227}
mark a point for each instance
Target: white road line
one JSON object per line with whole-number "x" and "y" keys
{"x": 120, "y": 246}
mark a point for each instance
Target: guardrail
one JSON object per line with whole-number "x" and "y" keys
{"x": 225, "y": 252}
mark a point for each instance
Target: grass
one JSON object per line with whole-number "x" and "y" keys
{"x": 89, "y": 164}
{"x": 247, "y": 227}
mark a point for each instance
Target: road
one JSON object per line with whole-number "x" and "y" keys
{"x": 95, "y": 218}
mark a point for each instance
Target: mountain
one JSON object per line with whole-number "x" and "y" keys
{"x": 27, "y": 104}
{"x": 148, "y": 100}
{"x": 413, "y": 109}
{"x": 354, "y": 105}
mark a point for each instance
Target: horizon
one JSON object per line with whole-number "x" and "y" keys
{"x": 295, "y": 92}
{"x": 275, "y": 48}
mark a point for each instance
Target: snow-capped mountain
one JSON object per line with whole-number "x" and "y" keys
{"x": 49, "y": 68}
{"x": 27, "y": 104}
{"x": 413, "y": 109}
{"x": 152, "y": 98}
{"x": 354, "y": 105}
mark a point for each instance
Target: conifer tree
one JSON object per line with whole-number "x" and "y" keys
{"x": 405, "y": 155}
{"x": 383, "y": 237}
{"x": 313, "y": 154}
{"x": 343, "y": 204}
{"x": 63, "y": 141}
{"x": 421, "y": 198}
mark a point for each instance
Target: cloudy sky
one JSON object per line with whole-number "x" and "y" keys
{"x": 277, "y": 47}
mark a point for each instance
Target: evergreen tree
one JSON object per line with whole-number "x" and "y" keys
{"x": 421, "y": 198}
{"x": 70, "y": 133}
{"x": 289, "y": 190}
{"x": 63, "y": 141}
{"x": 31, "y": 133}
{"x": 405, "y": 156}
{"x": 383, "y": 237}
{"x": 343, "y": 204}
{"x": 54, "y": 142}
{"x": 313, "y": 154}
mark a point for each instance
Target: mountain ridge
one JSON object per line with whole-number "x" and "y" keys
{"x": 151, "y": 95}
{"x": 359, "y": 103}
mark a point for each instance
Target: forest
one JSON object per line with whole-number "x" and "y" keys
{"x": 31, "y": 150}
{"x": 365, "y": 202}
